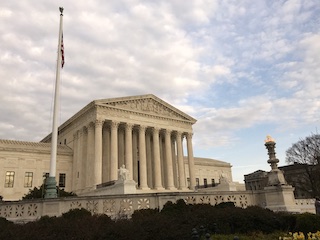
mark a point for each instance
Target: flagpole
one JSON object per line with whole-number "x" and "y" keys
{"x": 51, "y": 190}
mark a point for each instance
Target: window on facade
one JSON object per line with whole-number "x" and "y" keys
{"x": 197, "y": 182}
{"x": 28, "y": 177}
{"x": 205, "y": 182}
{"x": 62, "y": 180}
{"x": 213, "y": 183}
{"x": 9, "y": 179}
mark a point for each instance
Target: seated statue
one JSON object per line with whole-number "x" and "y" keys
{"x": 123, "y": 173}
{"x": 223, "y": 179}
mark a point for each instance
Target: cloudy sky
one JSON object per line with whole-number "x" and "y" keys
{"x": 243, "y": 69}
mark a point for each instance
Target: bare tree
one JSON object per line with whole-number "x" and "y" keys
{"x": 306, "y": 152}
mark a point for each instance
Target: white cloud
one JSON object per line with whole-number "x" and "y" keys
{"x": 233, "y": 65}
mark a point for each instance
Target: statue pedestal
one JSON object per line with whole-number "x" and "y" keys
{"x": 276, "y": 177}
{"x": 280, "y": 198}
{"x": 125, "y": 187}
{"x": 119, "y": 187}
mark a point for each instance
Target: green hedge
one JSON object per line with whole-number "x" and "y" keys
{"x": 174, "y": 221}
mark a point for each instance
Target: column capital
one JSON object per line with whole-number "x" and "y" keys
{"x": 142, "y": 128}
{"x": 114, "y": 124}
{"x": 76, "y": 135}
{"x": 80, "y": 132}
{"x": 99, "y": 123}
{"x": 178, "y": 134}
{"x": 129, "y": 126}
{"x": 90, "y": 126}
{"x": 167, "y": 132}
{"x": 156, "y": 129}
{"x": 189, "y": 134}
{"x": 84, "y": 130}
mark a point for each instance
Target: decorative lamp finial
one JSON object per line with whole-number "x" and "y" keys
{"x": 269, "y": 139}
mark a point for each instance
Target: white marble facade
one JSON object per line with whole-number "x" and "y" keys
{"x": 149, "y": 136}
{"x": 143, "y": 133}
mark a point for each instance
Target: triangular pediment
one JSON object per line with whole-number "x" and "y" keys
{"x": 148, "y": 104}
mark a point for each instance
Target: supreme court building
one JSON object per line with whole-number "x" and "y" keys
{"x": 149, "y": 137}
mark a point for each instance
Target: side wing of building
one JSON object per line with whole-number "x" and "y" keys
{"x": 23, "y": 166}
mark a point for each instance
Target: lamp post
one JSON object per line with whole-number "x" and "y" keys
{"x": 275, "y": 176}
{"x": 271, "y": 145}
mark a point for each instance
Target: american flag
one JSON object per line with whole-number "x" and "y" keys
{"x": 62, "y": 52}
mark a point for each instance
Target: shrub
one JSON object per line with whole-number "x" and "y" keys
{"x": 76, "y": 213}
{"x": 142, "y": 214}
{"x": 39, "y": 193}
{"x": 307, "y": 222}
{"x": 4, "y": 223}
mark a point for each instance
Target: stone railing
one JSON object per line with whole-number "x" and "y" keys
{"x": 116, "y": 205}
{"x": 306, "y": 205}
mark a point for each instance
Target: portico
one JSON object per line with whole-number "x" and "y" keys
{"x": 144, "y": 133}
{"x": 152, "y": 155}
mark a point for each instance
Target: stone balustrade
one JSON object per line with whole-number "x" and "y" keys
{"x": 116, "y": 205}
{"x": 306, "y": 205}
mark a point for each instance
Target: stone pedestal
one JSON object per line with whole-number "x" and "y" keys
{"x": 280, "y": 198}
{"x": 278, "y": 194}
{"x": 124, "y": 187}
{"x": 119, "y": 187}
{"x": 276, "y": 177}
{"x": 51, "y": 189}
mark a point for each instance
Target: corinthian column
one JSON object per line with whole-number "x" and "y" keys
{"x": 169, "y": 175}
{"x": 191, "y": 161}
{"x": 98, "y": 153}
{"x": 181, "y": 170}
{"x": 143, "y": 158}
{"x": 90, "y": 155}
{"x": 75, "y": 164}
{"x": 157, "y": 163}
{"x": 129, "y": 159}
{"x": 80, "y": 159}
{"x": 114, "y": 151}
{"x": 84, "y": 158}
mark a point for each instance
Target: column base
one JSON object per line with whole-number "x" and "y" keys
{"x": 50, "y": 187}
{"x": 159, "y": 188}
{"x": 171, "y": 188}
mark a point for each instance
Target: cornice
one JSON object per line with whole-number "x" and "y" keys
{"x": 209, "y": 162}
{"x": 32, "y": 147}
{"x": 80, "y": 113}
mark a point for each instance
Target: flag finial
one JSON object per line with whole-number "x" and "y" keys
{"x": 61, "y": 10}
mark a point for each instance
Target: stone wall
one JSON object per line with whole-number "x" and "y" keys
{"x": 119, "y": 205}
